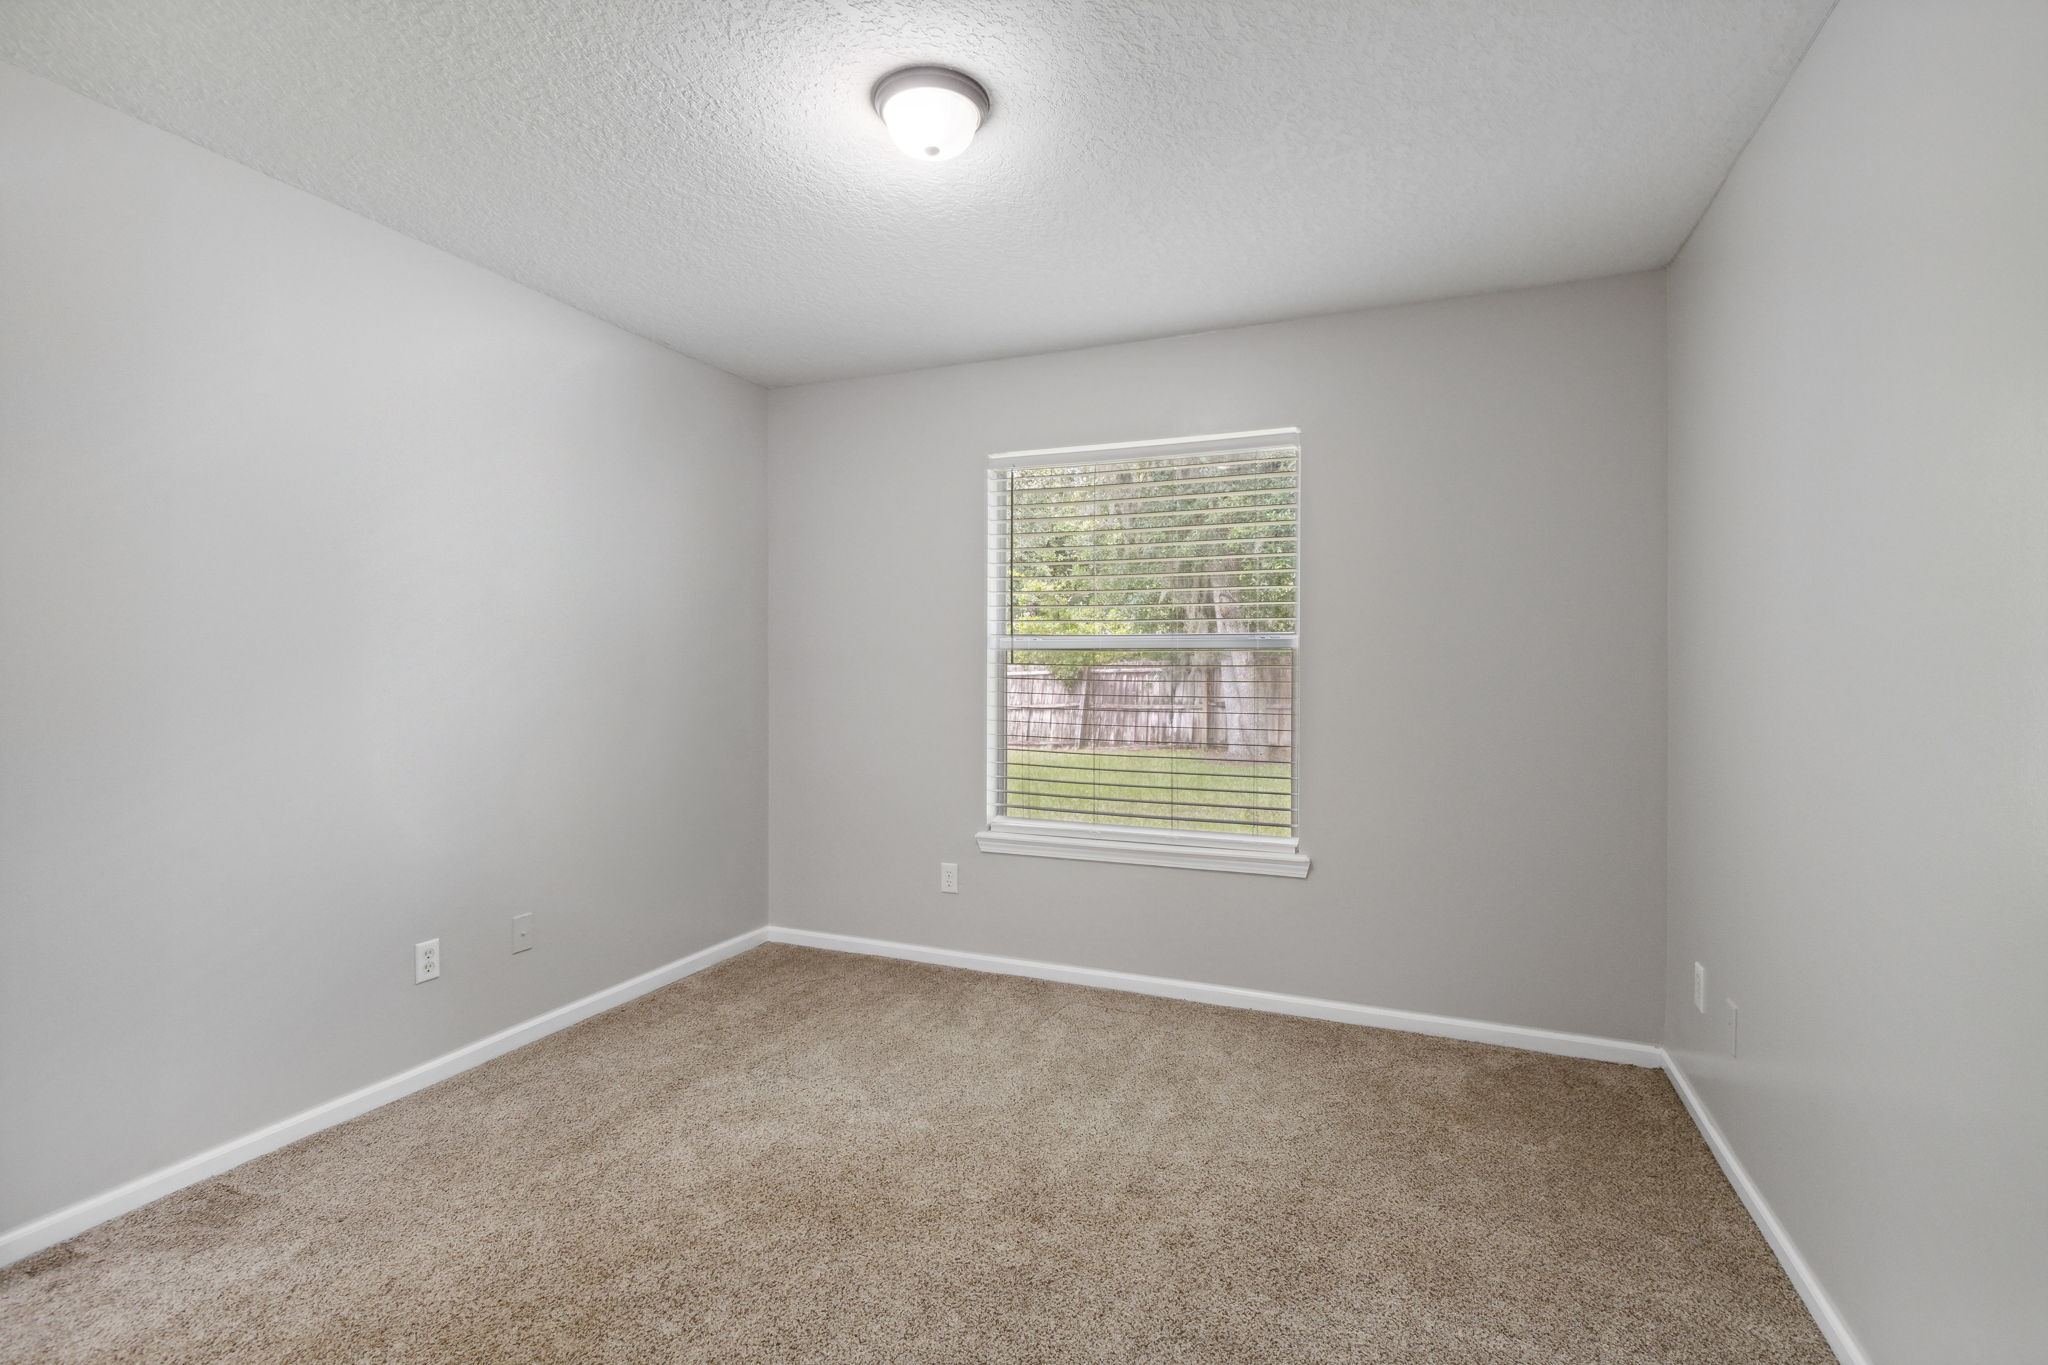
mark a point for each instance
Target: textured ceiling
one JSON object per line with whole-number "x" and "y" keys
{"x": 710, "y": 174}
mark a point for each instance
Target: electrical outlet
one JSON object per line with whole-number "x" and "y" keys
{"x": 949, "y": 876}
{"x": 522, "y": 932}
{"x": 426, "y": 960}
{"x": 1734, "y": 1028}
{"x": 1699, "y": 987}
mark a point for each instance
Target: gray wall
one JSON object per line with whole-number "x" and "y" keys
{"x": 350, "y": 596}
{"x": 1482, "y": 736}
{"x": 1859, "y": 338}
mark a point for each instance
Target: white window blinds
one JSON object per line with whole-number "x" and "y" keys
{"x": 1143, "y": 627}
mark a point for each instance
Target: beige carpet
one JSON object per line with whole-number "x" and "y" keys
{"x": 809, "y": 1156}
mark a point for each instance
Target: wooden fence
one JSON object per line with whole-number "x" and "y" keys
{"x": 1235, "y": 710}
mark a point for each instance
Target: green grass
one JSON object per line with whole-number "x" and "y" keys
{"x": 1137, "y": 787}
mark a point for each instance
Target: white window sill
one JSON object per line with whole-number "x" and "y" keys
{"x": 1146, "y": 847}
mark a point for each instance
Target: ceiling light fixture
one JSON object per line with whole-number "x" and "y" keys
{"x": 932, "y": 112}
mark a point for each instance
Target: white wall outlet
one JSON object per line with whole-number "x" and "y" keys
{"x": 1699, "y": 987}
{"x": 426, "y": 960}
{"x": 522, "y": 932}
{"x": 949, "y": 876}
{"x": 1734, "y": 1028}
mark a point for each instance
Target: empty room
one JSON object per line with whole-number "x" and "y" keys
{"x": 913, "y": 681}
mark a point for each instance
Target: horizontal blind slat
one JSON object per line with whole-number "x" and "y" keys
{"x": 1284, "y": 530}
{"x": 1113, "y": 817}
{"x": 1167, "y": 536}
{"x": 1094, "y": 493}
{"x": 1035, "y": 779}
{"x": 1165, "y": 466}
{"x": 1116, "y": 568}
{"x": 1054, "y": 597}
{"x": 1139, "y": 522}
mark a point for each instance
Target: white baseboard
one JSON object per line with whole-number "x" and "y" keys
{"x": 1436, "y": 1025}
{"x": 1825, "y": 1315}
{"x": 66, "y": 1223}
{"x": 69, "y": 1222}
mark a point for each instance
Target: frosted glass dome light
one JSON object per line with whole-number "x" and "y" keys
{"x": 932, "y": 113}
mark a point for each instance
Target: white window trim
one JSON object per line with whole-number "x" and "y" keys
{"x": 1272, "y": 857}
{"x": 1264, "y": 855}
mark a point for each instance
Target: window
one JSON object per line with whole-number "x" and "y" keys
{"x": 1142, "y": 637}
